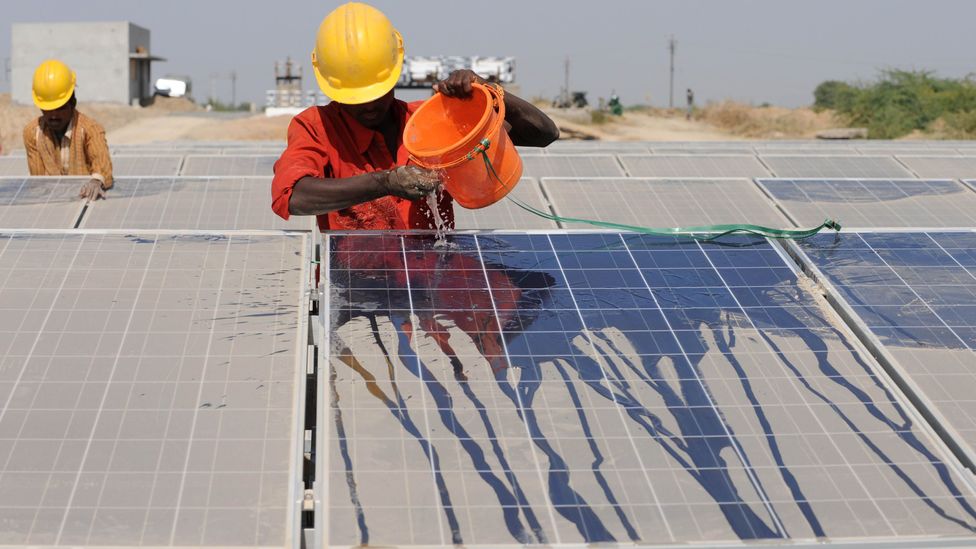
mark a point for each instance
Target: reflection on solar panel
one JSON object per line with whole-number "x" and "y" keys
{"x": 217, "y": 165}
{"x": 663, "y": 202}
{"x": 941, "y": 166}
{"x": 917, "y": 294}
{"x": 190, "y": 204}
{"x": 570, "y": 165}
{"x": 13, "y": 165}
{"x": 504, "y": 214}
{"x": 693, "y": 166}
{"x": 835, "y": 166}
{"x": 875, "y": 202}
{"x": 40, "y": 202}
{"x": 598, "y": 387}
{"x": 146, "y": 166}
{"x": 149, "y": 387}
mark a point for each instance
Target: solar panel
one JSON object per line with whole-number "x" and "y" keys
{"x": 810, "y": 149}
{"x": 916, "y": 293}
{"x": 13, "y": 165}
{"x": 586, "y": 388}
{"x": 187, "y": 203}
{"x": 955, "y": 167}
{"x": 875, "y": 202}
{"x": 898, "y": 151}
{"x": 693, "y": 166}
{"x": 702, "y": 150}
{"x": 149, "y": 389}
{"x": 663, "y": 202}
{"x": 219, "y": 165}
{"x": 835, "y": 166}
{"x": 504, "y": 214}
{"x": 146, "y": 166}
{"x": 40, "y": 202}
{"x": 570, "y": 165}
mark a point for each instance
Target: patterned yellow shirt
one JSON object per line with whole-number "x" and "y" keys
{"x": 82, "y": 151}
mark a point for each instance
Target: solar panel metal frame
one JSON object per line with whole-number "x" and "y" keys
{"x": 903, "y": 172}
{"x": 293, "y": 532}
{"x": 771, "y": 207}
{"x": 968, "y": 481}
{"x": 953, "y": 440}
{"x": 795, "y": 216}
{"x": 696, "y": 160}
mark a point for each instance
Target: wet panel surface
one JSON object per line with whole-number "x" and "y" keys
{"x": 598, "y": 387}
{"x": 876, "y": 202}
{"x": 147, "y": 389}
{"x": 917, "y": 294}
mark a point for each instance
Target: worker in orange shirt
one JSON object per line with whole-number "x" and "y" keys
{"x": 62, "y": 141}
{"x": 345, "y": 162}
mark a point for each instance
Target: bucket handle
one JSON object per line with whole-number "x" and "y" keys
{"x": 497, "y": 94}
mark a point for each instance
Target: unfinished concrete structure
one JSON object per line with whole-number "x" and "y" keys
{"x": 112, "y": 59}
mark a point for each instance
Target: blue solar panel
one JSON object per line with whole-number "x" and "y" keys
{"x": 917, "y": 293}
{"x": 569, "y": 388}
{"x": 875, "y": 202}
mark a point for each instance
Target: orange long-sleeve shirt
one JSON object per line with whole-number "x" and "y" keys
{"x": 327, "y": 142}
{"x": 82, "y": 151}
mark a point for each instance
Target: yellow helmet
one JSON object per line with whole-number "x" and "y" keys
{"x": 358, "y": 54}
{"x": 53, "y": 84}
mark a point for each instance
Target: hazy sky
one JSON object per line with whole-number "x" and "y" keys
{"x": 750, "y": 50}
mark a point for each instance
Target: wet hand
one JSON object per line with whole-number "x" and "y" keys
{"x": 92, "y": 190}
{"x": 458, "y": 83}
{"x": 411, "y": 182}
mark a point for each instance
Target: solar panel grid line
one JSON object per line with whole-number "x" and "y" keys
{"x": 423, "y": 395}
{"x": 751, "y": 322}
{"x": 735, "y": 444}
{"x": 922, "y": 406}
{"x": 521, "y": 405}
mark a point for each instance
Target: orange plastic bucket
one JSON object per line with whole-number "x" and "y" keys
{"x": 455, "y": 136}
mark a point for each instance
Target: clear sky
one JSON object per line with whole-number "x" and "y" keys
{"x": 749, "y": 50}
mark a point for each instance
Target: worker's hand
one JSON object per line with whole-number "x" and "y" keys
{"x": 458, "y": 83}
{"x": 411, "y": 182}
{"x": 92, "y": 190}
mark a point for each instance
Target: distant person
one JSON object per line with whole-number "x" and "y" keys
{"x": 345, "y": 162}
{"x": 690, "y": 95}
{"x": 615, "y": 106}
{"x": 62, "y": 141}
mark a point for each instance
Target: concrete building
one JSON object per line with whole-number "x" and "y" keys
{"x": 112, "y": 60}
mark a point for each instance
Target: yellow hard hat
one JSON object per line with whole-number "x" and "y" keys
{"x": 358, "y": 54}
{"x": 53, "y": 84}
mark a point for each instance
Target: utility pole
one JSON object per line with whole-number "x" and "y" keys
{"x": 233, "y": 89}
{"x": 213, "y": 88}
{"x": 671, "y": 45}
{"x": 565, "y": 100}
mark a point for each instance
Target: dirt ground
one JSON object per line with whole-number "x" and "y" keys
{"x": 180, "y": 120}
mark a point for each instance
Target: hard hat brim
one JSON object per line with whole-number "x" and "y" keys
{"x": 365, "y": 94}
{"x": 56, "y": 103}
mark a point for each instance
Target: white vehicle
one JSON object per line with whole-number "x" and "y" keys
{"x": 495, "y": 69}
{"x": 172, "y": 86}
{"x": 424, "y": 69}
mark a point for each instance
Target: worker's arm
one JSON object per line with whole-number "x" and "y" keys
{"x": 527, "y": 125}
{"x": 34, "y": 164}
{"x": 97, "y": 153}
{"x": 319, "y": 196}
